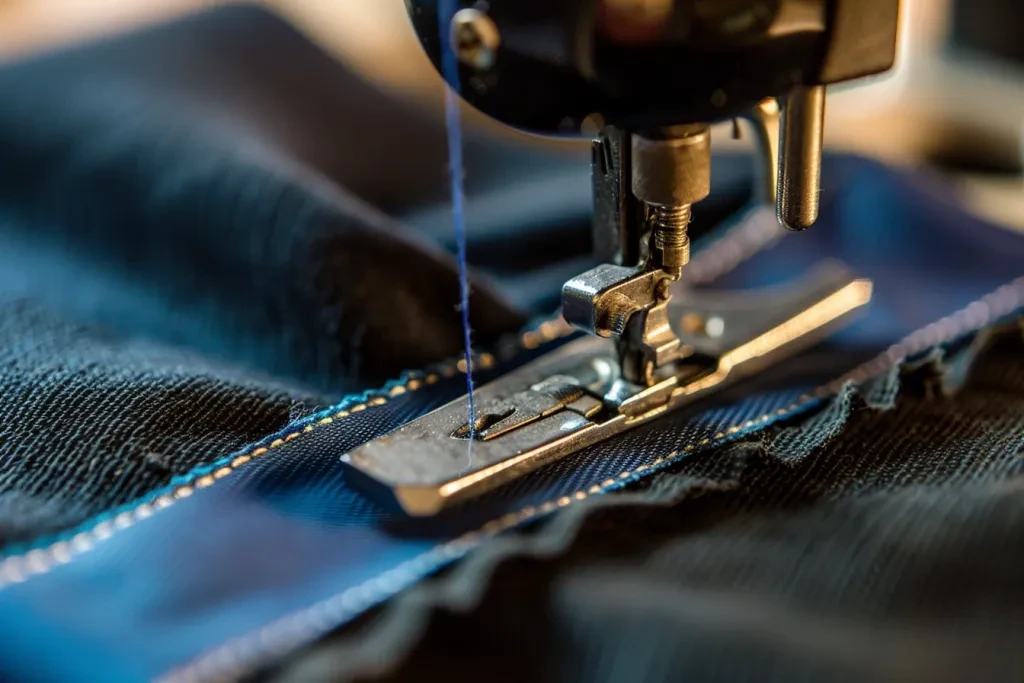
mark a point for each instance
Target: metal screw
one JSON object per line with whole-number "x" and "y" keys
{"x": 671, "y": 169}
{"x": 476, "y": 38}
{"x": 670, "y": 237}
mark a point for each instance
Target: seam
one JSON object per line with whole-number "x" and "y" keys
{"x": 19, "y": 567}
{"x": 737, "y": 245}
{"x": 239, "y": 656}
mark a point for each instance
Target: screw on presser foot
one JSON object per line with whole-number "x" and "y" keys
{"x": 671, "y": 240}
{"x": 671, "y": 171}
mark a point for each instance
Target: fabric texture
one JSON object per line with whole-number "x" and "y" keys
{"x": 206, "y": 236}
{"x": 187, "y": 265}
{"x": 218, "y": 247}
{"x": 878, "y": 540}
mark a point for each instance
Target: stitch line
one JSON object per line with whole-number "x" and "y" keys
{"x": 16, "y": 568}
{"x": 225, "y": 661}
{"x": 738, "y": 244}
{"x": 240, "y": 655}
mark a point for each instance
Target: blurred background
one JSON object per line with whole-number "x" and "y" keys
{"x": 954, "y": 104}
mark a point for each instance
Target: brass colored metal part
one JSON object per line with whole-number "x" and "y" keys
{"x": 672, "y": 166}
{"x": 803, "y": 129}
{"x": 765, "y": 119}
{"x": 671, "y": 170}
{"x": 670, "y": 225}
{"x": 476, "y": 38}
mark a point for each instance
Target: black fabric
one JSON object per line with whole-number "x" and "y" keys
{"x": 877, "y": 540}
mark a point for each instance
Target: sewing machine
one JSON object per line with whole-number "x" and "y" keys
{"x": 648, "y": 77}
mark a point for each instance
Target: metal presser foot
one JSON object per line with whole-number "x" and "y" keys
{"x": 652, "y": 75}
{"x": 580, "y": 394}
{"x": 654, "y": 346}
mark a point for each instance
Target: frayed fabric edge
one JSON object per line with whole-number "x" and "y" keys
{"x": 943, "y": 368}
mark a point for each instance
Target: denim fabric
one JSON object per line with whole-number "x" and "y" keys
{"x": 283, "y": 536}
{"x": 191, "y": 260}
{"x": 88, "y": 418}
{"x": 193, "y": 222}
{"x": 890, "y": 552}
{"x": 186, "y": 265}
{"x": 283, "y": 532}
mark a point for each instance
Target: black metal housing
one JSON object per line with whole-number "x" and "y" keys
{"x": 698, "y": 61}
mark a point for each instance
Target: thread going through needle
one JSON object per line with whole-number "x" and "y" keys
{"x": 453, "y": 123}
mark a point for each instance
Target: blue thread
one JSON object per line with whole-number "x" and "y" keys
{"x": 450, "y": 68}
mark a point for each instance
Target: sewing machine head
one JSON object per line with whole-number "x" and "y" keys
{"x": 651, "y": 76}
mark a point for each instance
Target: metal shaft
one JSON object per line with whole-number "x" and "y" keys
{"x": 671, "y": 170}
{"x": 803, "y": 128}
{"x": 765, "y": 120}
{"x": 671, "y": 238}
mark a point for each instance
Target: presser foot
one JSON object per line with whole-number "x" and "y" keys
{"x": 577, "y": 395}
{"x": 632, "y": 306}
